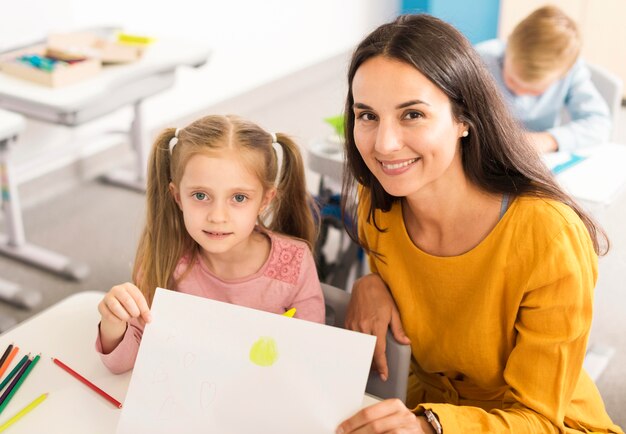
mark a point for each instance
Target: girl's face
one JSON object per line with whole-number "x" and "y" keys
{"x": 404, "y": 128}
{"x": 221, "y": 200}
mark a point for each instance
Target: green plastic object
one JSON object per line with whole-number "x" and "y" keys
{"x": 337, "y": 122}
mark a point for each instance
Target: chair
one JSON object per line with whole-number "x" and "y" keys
{"x": 610, "y": 87}
{"x": 398, "y": 355}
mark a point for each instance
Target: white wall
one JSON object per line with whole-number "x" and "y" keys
{"x": 253, "y": 42}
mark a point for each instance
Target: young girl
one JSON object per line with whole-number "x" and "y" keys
{"x": 211, "y": 185}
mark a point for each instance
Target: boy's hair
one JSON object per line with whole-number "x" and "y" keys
{"x": 545, "y": 42}
{"x": 165, "y": 239}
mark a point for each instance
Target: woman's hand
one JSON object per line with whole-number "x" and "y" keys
{"x": 372, "y": 310}
{"x": 118, "y": 306}
{"x": 389, "y": 416}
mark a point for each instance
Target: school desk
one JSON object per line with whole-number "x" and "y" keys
{"x": 115, "y": 87}
{"x": 67, "y": 331}
{"x": 11, "y": 125}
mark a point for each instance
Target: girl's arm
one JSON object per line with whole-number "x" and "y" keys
{"x": 124, "y": 312}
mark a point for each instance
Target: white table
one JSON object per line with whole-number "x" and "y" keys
{"x": 67, "y": 331}
{"x": 115, "y": 87}
{"x": 597, "y": 181}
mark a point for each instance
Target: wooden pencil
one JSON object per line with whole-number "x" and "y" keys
{"x": 5, "y": 355}
{"x": 23, "y": 411}
{"x": 8, "y": 360}
{"x": 20, "y": 380}
{"x": 14, "y": 382}
{"x": 87, "y": 383}
{"x": 14, "y": 371}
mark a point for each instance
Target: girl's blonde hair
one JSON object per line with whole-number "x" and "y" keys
{"x": 165, "y": 240}
{"x": 545, "y": 42}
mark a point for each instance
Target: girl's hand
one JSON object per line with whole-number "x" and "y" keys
{"x": 389, "y": 416}
{"x": 118, "y": 306}
{"x": 372, "y": 310}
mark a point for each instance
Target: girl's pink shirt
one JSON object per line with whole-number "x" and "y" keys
{"x": 287, "y": 279}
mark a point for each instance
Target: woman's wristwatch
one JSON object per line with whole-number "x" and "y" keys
{"x": 433, "y": 421}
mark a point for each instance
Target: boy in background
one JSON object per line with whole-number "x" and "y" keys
{"x": 540, "y": 74}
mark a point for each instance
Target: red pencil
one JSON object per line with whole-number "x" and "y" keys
{"x": 88, "y": 383}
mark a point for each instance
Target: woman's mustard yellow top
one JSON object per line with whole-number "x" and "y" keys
{"x": 498, "y": 334}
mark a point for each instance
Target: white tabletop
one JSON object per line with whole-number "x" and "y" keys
{"x": 161, "y": 56}
{"x": 599, "y": 178}
{"x": 11, "y": 124}
{"x": 67, "y": 331}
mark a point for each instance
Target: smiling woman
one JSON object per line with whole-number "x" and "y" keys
{"x": 479, "y": 260}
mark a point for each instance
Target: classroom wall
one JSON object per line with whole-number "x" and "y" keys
{"x": 253, "y": 43}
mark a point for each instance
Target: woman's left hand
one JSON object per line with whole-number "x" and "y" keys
{"x": 389, "y": 416}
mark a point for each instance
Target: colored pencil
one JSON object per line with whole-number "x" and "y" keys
{"x": 9, "y": 359}
{"x": 87, "y": 383}
{"x": 22, "y": 412}
{"x": 14, "y": 371}
{"x": 20, "y": 380}
{"x": 290, "y": 313}
{"x": 14, "y": 382}
{"x": 5, "y": 355}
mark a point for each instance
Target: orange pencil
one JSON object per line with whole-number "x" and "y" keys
{"x": 8, "y": 360}
{"x": 87, "y": 383}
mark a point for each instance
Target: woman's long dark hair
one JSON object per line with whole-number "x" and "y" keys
{"x": 496, "y": 156}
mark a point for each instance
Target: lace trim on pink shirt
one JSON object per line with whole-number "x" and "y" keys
{"x": 285, "y": 261}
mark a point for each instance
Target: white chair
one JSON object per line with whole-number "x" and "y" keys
{"x": 611, "y": 88}
{"x": 398, "y": 355}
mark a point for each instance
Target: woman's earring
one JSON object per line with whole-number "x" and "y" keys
{"x": 465, "y": 133}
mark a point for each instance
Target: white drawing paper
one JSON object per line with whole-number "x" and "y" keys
{"x": 212, "y": 367}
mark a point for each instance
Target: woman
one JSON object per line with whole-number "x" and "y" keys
{"x": 474, "y": 249}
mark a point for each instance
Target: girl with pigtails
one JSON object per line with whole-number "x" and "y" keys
{"x": 223, "y": 221}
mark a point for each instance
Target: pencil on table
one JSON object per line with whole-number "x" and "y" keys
{"x": 7, "y": 362}
{"x": 87, "y": 383}
{"x": 22, "y": 412}
{"x": 14, "y": 382}
{"x": 17, "y": 382}
{"x": 5, "y": 355}
{"x": 14, "y": 371}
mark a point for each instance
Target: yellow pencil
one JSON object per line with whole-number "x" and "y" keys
{"x": 22, "y": 412}
{"x": 290, "y": 313}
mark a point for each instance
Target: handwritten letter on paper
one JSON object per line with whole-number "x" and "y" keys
{"x": 208, "y": 366}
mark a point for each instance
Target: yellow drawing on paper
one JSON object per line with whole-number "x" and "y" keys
{"x": 264, "y": 352}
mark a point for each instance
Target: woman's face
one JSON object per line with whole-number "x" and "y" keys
{"x": 404, "y": 128}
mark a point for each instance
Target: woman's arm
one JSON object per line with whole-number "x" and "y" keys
{"x": 372, "y": 311}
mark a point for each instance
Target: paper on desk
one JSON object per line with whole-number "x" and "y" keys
{"x": 200, "y": 369}
{"x": 600, "y": 177}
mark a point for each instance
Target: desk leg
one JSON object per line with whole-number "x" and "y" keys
{"x": 135, "y": 180}
{"x": 13, "y": 243}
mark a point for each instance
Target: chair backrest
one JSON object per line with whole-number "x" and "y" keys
{"x": 611, "y": 88}
{"x": 398, "y": 355}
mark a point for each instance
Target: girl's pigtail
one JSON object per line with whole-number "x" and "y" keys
{"x": 295, "y": 212}
{"x": 161, "y": 244}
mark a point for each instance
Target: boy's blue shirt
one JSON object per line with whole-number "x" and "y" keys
{"x": 589, "y": 117}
